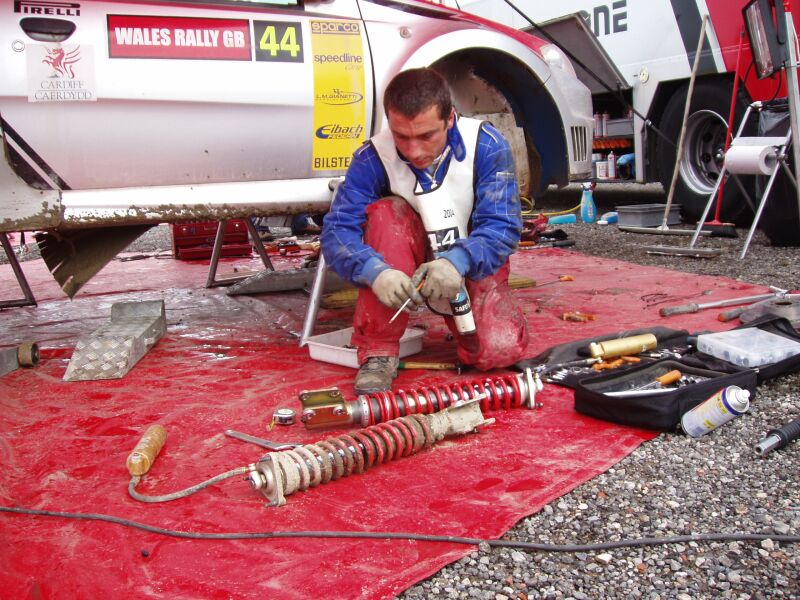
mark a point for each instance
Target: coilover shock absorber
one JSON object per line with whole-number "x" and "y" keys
{"x": 279, "y": 474}
{"x": 328, "y": 408}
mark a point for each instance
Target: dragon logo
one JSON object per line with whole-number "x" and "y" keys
{"x": 61, "y": 62}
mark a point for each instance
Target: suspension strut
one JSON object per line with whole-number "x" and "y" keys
{"x": 328, "y": 408}
{"x": 280, "y": 474}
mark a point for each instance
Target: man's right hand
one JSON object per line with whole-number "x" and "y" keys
{"x": 393, "y": 288}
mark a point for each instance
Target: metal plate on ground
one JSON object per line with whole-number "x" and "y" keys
{"x": 787, "y": 307}
{"x": 113, "y": 349}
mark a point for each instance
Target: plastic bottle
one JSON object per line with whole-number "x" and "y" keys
{"x": 612, "y": 165}
{"x": 588, "y": 208}
{"x": 597, "y": 125}
{"x": 561, "y": 219}
{"x": 604, "y": 124}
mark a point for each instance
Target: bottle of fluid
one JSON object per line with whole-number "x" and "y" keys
{"x": 588, "y": 208}
{"x": 612, "y": 165}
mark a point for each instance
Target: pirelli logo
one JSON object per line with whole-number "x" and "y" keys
{"x": 41, "y": 7}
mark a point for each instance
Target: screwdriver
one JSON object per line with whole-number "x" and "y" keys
{"x": 402, "y": 308}
{"x": 560, "y": 278}
{"x": 662, "y": 381}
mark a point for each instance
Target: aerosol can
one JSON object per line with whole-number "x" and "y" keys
{"x": 726, "y": 404}
{"x": 444, "y": 228}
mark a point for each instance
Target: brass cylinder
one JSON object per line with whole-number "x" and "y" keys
{"x": 623, "y": 346}
{"x": 144, "y": 454}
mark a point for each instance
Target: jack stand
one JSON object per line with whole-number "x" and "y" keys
{"x": 29, "y": 300}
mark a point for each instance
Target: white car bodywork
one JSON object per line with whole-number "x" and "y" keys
{"x": 163, "y": 111}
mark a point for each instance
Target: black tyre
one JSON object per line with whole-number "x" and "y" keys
{"x": 703, "y": 150}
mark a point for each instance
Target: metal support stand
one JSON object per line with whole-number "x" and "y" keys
{"x": 29, "y": 299}
{"x": 781, "y": 145}
{"x": 217, "y": 251}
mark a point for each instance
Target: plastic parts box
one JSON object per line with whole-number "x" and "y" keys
{"x": 748, "y": 347}
{"x": 332, "y": 347}
{"x": 648, "y": 215}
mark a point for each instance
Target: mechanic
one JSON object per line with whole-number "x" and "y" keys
{"x": 373, "y": 237}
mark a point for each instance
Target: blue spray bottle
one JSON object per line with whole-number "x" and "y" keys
{"x": 588, "y": 208}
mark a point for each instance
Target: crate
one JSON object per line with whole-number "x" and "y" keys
{"x": 647, "y": 215}
{"x": 332, "y": 347}
{"x": 194, "y": 240}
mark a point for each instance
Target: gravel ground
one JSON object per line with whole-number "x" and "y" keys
{"x": 670, "y": 486}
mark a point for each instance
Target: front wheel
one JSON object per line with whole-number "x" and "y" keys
{"x": 703, "y": 153}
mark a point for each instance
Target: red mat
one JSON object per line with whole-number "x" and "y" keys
{"x": 228, "y": 363}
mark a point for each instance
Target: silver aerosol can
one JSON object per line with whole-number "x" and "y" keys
{"x": 726, "y": 404}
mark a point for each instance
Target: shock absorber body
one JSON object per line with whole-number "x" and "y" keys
{"x": 327, "y": 408}
{"x": 280, "y": 474}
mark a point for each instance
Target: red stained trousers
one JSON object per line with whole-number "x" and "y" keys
{"x": 395, "y": 230}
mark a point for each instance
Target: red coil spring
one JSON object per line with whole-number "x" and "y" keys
{"x": 501, "y": 392}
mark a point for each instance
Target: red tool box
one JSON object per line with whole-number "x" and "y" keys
{"x": 195, "y": 240}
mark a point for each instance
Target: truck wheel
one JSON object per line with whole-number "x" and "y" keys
{"x": 703, "y": 151}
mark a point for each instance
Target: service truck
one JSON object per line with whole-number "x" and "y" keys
{"x": 652, "y": 45}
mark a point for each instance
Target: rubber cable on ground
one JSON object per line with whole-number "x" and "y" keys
{"x": 678, "y": 539}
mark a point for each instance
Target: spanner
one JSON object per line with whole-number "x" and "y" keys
{"x": 260, "y": 441}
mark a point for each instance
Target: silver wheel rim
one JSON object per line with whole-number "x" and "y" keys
{"x": 703, "y": 150}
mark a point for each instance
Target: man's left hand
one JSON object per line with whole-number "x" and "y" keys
{"x": 442, "y": 280}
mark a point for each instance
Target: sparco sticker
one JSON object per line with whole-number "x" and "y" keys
{"x": 60, "y": 73}
{"x": 133, "y": 36}
{"x": 339, "y": 113}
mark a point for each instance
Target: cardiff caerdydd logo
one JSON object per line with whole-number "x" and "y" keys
{"x": 61, "y": 62}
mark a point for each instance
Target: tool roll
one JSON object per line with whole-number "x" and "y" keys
{"x": 612, "y": 395}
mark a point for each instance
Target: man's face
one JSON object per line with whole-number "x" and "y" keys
{"x": 422, "y": 138}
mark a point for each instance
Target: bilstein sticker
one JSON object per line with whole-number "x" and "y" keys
{"x": 60, "y": 73}
{"x": 134, "y": 36}
{"x": 339, "y": 110}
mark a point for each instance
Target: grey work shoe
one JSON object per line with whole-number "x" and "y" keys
{"x": 377, "y": 374}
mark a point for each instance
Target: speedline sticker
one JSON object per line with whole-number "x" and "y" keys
{"x": 339, "y": 106}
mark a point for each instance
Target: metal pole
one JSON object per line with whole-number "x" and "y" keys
{"x": 794, "y": 96}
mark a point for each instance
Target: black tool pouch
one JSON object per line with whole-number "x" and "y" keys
{"x": 654, "y": 409}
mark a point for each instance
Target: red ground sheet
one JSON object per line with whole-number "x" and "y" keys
{"x": 228, "y": 363}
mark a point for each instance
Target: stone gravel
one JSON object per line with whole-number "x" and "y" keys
{"x": 671, "y": 486}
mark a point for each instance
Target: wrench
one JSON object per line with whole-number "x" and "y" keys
{"x": 260, "y": 441}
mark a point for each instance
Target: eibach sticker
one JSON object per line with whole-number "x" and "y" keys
{"x": 137, "y": 36}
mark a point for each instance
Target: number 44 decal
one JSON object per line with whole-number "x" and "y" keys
{"x": 278, "y": 41}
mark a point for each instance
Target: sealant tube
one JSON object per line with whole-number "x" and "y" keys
{"x": 144, "y": 454}
{"x": 623, "y": 346}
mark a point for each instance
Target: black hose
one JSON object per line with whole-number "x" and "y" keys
{"x": 382, "y": 535}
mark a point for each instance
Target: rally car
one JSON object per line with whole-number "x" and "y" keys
{"x": 118, "y": 113}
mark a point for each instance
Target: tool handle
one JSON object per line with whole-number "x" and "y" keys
{"x": 778, "y": 438}
{"x": 683, "y": 309}
{"x": 669, "y": 377}
{"x": 144, "y": 454}
{"x": 432, "y": 366}
{"x": 730, "y": 315}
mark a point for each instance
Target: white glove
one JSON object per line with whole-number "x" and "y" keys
{"x": 393, "y": 288}
{"x": 442, "y": 280}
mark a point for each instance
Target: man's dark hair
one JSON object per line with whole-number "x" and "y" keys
{"x": 414, "y": 91}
